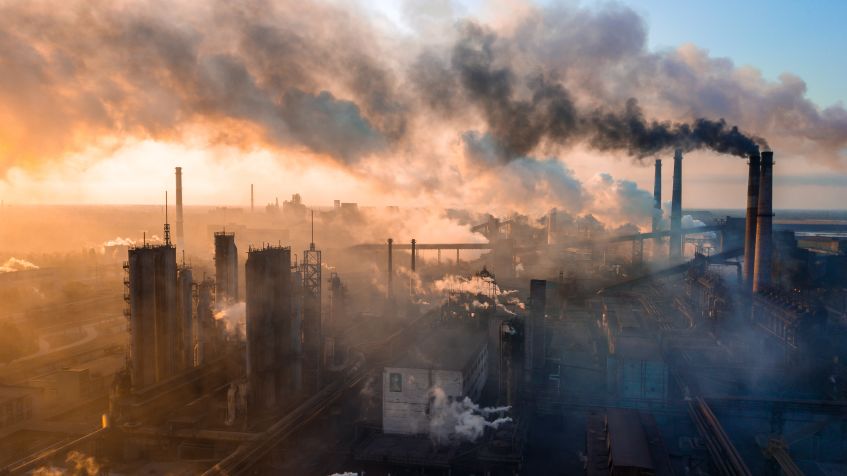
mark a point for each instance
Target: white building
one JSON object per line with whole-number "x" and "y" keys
{"x": 453, "y": 358}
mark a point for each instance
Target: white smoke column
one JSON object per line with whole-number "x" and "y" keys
{"x": 234, "y": 318}
{"x": 457, "y": 421}
{"x": 119, "y": 242}
{"x": 479, "y": 285}
{"x": 16, "y": 264}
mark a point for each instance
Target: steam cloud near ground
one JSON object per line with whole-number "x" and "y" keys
{"x": 456, "y": 421}
{"x": 16, "y": 264}
{"x": 452, "y": 108}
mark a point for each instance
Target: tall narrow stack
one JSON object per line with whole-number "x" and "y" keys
{"x": 390, "y": 293}
{"x": 657, "y": 196}
{"x": 180, "y": 236}
{"x": 764, "y": 225}
{"x": 676, "y": 208}
{"x": 752, "y": 216}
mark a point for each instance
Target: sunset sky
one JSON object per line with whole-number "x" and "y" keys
{"x": 104, "y": 99}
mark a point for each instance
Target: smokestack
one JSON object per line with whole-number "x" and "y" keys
{"x": 676, "y": 208}
{"x": 390, "y": 270}
{"x": 657, "y": 196}
{"x": 413, "y": 254}
{"x": 180, "y": 238}
{"x": 251, "y": 198}
{"x": 750, "y": 224}
{"x": 764, "y": 221}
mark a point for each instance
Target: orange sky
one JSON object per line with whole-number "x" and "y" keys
{"x": 140, "y": 172}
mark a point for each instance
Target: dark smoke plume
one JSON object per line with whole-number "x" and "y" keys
{"x": 326, "y": 78}
{"x": 549, "y": 113}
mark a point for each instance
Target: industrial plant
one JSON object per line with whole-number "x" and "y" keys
{"x": 546, "y": 346}
{"x": 457, "y": 285}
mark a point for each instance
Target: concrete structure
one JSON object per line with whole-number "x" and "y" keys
{"x": 764, "y": 226}
{"x": 635, "y": 368}
{"x": 752, "y": 216}
{"x": 72, "y": 384}
{"x": 204, "y": 328}
{"x": 625, "y": 442}
{"x": 226, "y": 268}
{"x": 676, "y": 208}
{"x": 788, "y": 320}
{"x": 657, "y": 196}
{"x": 185, "y": 315}
{"x": 452, "y": 358}
{"x": 180, "y": 232}
{"x": 17, "y": 404}
{"x": 273, "y": 333}
{"x": 534, "y": 351}
{"x": 152, "y": 298}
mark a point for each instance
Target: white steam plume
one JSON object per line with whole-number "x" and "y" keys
{"x": 458, "y": 421}
{"x": 16, "y": 264}
{"x": 234, "y": 318}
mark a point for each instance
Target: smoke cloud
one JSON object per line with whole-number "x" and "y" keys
{"x": 16, "y": 264}
{"x": 234, "y": 318}
{"x": 451, "y": 108}
{"x": 457, "y": 421}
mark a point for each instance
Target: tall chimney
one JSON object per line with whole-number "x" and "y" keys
{"x": 657, "y": 196}
{"x": 180, "y": 238}
{"x": 413, "y": 254}
{"x": 764, "y": 222}
{"x": 676, "y": 208}
{"x": 251, "y": 198}
{"x": 390, "y": 270}
{"x": 750, "y": 224}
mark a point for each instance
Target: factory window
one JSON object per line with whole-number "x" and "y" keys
{"x": 395, "y": 382}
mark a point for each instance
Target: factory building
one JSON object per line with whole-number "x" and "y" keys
{"x": 535, "y": 336}
{"x": 226, "y": 268}
{"x": 624, "y": 442}
{"x": 185, "y": 314}
{"x": 788, "y": 320}
{"x": 273, "y": 328}
{"x": 452, "y": 358}
{"x": 17, "y": 404}
{"x": 204, "y": 328}
{"x": 153, "y": 314}
{"x": 635, "y": 368}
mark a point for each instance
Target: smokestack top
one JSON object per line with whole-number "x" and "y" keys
{"x": 677, "y": 154}
{"x": 767, "y": 155}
